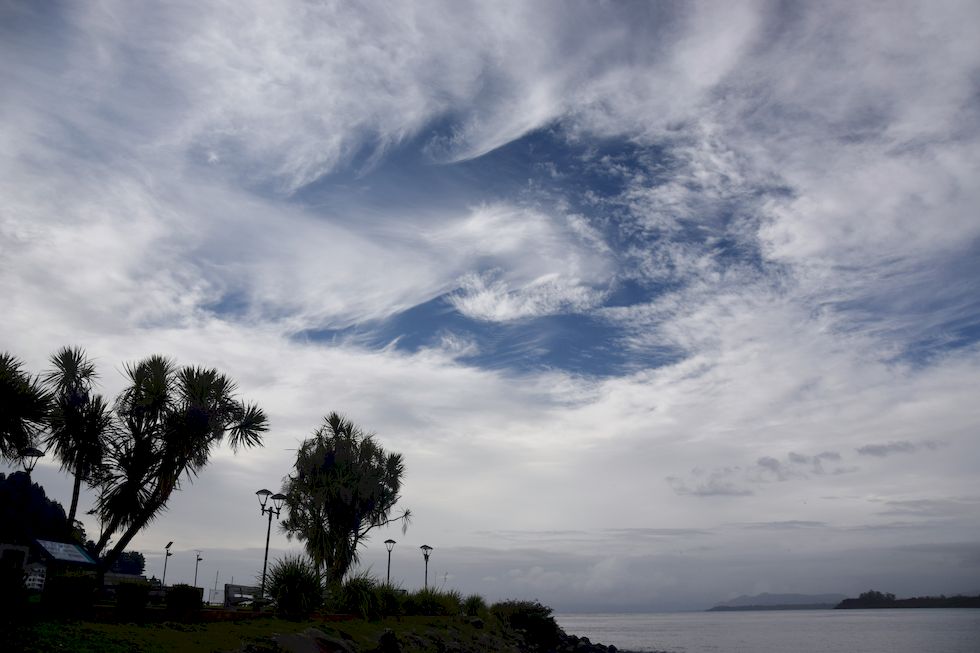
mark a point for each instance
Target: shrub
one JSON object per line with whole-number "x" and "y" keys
{"x": 131, "y": 600}
{"x": 433, "y": 603}
{"x": 69, "y": 595}
{"x": 453, "y": 602}
{"x": 183, "y": 602}
{"x": 359, "y": 596}
{"x": 474, "y": 605}
{"x": 390, "y": 599}
{"x": 540, "y": 629}
{"x": 13, "y": 593}
{"x": 294, "y": 585}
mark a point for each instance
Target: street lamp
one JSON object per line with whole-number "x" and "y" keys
{"x": 277, "y": 501}
{"x": 29, "y": 457}
{"x": 426, "y": 549}
{"x": 166, "y": 550}
{"x": 390, "y": 544}
{"x": 196, "y": 563}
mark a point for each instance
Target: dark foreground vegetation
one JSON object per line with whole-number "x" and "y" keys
{"x": 508, "y": 627}
{"x": 873, "y": 599}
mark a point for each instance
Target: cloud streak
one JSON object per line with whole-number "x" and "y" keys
{"x": 903, "y": 446}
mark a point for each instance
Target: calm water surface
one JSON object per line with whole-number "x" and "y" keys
{"x": 798, "y": 631}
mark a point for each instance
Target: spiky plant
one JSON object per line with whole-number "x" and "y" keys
{"x": 293, "y": 583}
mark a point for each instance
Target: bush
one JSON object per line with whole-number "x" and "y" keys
{"x": 13, "y": 593}
{"x": 293, "y": 583}
{"x": 540, "y": 629}
{"x": 433, "y": 603}
{"x": 69, "y": 595}
{"x": 390, "y": 599}
{"x": 131, "y": 600}
{"x": 474, "y": 605}
{"x": 183, "y": 603}
{"x": 359, "y": 596}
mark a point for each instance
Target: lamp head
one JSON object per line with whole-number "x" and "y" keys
{"x": 263, "y": 496}
{"x": 426, "y": 549}
{"x": 29, "y": 457}
{"x": 278, "y": 500}
{"x": 390, "y": 544}
{"x": 169, "y": 544}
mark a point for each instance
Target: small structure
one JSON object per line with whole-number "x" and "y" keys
{"x": 236, "y": 594}
{"x": 64, "y": 555}
{"x": 13, "y": 555}
{"x": 53, "y": 558}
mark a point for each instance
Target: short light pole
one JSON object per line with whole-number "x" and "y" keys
{"x": 167, "y": 554}
{"x": 196, "y": 563}
{"x": 426, "y": 550}
{"x": 28, "y": 458}
{"x": 277, "y": 501}
{"x": 390, "y": 544}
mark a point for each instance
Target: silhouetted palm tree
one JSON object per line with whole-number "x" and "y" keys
{"x": 344, "y": 484}
{"x": 171, "y": 419}
{"x": 24, "y": 405}
{"x": 78, "y": 422}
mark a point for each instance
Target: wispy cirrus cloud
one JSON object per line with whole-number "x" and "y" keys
{"x": 584, "y": 246}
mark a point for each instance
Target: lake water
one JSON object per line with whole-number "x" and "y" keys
{"x": 797, "y": 631}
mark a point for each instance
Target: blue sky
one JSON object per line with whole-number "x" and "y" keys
{"x": 663, "y": 303}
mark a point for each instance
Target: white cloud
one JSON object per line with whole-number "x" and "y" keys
{"x": 146, "y": 171}
{"x": 486, "y": 299}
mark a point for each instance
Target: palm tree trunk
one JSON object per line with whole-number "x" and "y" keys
{"x": 108, "y": 559}
{"x": 157, "y": 502}
{"x": 74, "y": 500}
{"x": 107, "y": 533}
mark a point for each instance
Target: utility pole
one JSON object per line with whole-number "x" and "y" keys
{"x": 197, "y": 562}
{"x": 163, "y": 582}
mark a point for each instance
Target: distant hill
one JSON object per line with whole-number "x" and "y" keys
{"x": 873, "y": 599}
{"x": 781, "y": 602}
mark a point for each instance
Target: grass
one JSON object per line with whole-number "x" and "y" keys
{"x": 421, "y": 634}
{"x": 424, "y": 621}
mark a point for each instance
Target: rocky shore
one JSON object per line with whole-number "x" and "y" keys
{"x": 466, "y": 636}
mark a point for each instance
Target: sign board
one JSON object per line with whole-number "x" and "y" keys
{"x": 235, "y": 594}
{"x": 65, "y": 552}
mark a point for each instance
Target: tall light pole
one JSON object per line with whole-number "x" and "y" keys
{"x": 277, "y": 501}
{"x": 166, "y": 550}
{"x": 426, "y": 550}
{"x": 28, "y": 458}
{"x": 197, "y": 562}
{"x": 390, "y": 544}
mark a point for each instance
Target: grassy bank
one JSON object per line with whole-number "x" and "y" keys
{"x": 358, "y": 616}
{"x": 421, "y": 634}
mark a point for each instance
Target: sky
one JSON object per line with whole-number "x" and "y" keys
{"x": 663, "y": 303}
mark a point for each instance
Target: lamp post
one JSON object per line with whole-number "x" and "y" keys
{"x": 196, "y": 563}
{"x": 167, "y": 554}
{"x": 426, "y": 550}
{"x": 390, "y": 544}
{"x": 277, "y": 501}
{"x": 28, "y": 458}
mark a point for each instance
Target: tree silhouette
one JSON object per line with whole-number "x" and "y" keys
{"x": 130, "y": 562}
{"x": 79, "y": 422}
{"x": 24, "y": 405}
{"x": 27, "y": 513}
{"x": 171, "y": 419}
{"x": 344, "y": 484}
